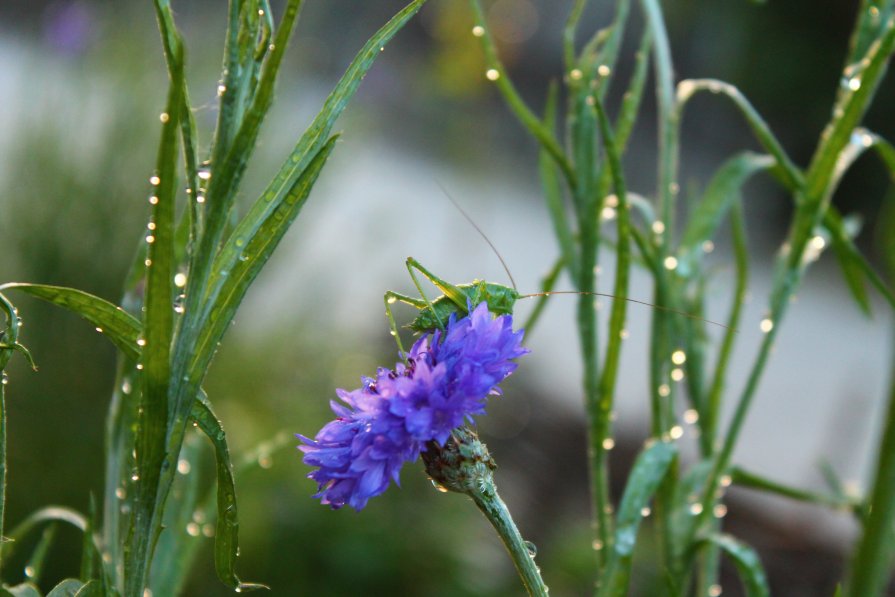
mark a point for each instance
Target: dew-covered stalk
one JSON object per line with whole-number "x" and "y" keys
{"x": 464, "y": 465}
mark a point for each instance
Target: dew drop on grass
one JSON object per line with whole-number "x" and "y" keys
{"x": 153, "y": 200}
{"x": 720, "y": 511}
{"x": 604, "y": 70}
{"x": 193, "y": 529}
{"x": 691, "y": 416}
{"x": 766, "y": 325}
{"x": 265, "y": 461}
{"x": 676, "y": 432}
{"x": 597, "y": 545}
{"x": 4, "y": 380}
{"x": 154, "y": 180}
{"x": 645, "y": 511}
{"x": 478, "y": 31}
{"x": 208, "y": 530}
{"x": 608, "y": 443}
{"x": 678, "y": 357}
{"x": 120, "y": 493}
{"x": 492, "y": 74}
{"x": 180, "y": 280}
{"x": 715, "y": 591}
{"x": 29, "y": 571}
{"x": 532, "y": 549}
{"x": 183, "y": 466}
{"x": 696, "y": 509}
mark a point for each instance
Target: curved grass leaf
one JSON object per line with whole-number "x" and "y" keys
{"x": 23, "y": 590}
{"x": 747, "y": 562}
{"x": 722, "y": 192}
{"x": 646, "y": 476}
{"x": 785, "y": 169}
{"x": 66, "y": 588}
{"x": 226, "y": 542}
{"x": 245, "y": 254}
{"x": 118, "y": 326}
{"x": 94, "y": 588}
{"x": 44, "y": 515}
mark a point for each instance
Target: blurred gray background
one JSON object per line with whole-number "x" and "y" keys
{"x": 81, "y": 86}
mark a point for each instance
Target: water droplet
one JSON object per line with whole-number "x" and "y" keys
{"x": 121, "y": 493}
{"x": 575, "y": 74}
{"x": 679, "y": 357}
{"x": 153, "y": 200}
{"x": 624, "y": 334}
{"x": 597, "y": 545}
{"x": 29, "y": 571}
{"x": 766, "y": 325}
{"x": 492, "y": 74}
{"x": 150, "y": 239}
{"x": 670, "y": 263}
{"x": 163, "y": 117}
{"x": 645, "y": 511}
{"x": 155, "y": 181}
{"x": 532, "y": 549}
{"x": 135, "y": 477}
{"x": 608, "y": 443}
{"x": 677, "y": 374}
{"x": 603, "y": 70}
{"x": 200, "y": 198}
{"x": 691, "y": 416}
{"x": 676, "y": 432}
{"x": 696, "y": 509}
{"x": 708, "y": 246}
{"x": 664, "y": 390}
{"x": 141, "y": 342}
{"x": 391, "y": 300}
{"x": 139, "y": 366}
{"x": 208, "y": 530}
{"x": 192, "y": 529}
{"x": 148, "y": 262}
{"x": 674, "y": 188}
{"x": 720, "y": 511}
{"x": 658, "y": 227}
{"x": 611, "y": 201}
{"x": 607, "y": 213}
{"x": 183, "y": 466}
{"x": 478, "y": 31}
{"x": 222, "y": 89}
{"x": 204, "y": 173}
{"x": 265, "y": 461}
{"x": 4, "y": 380}
{"x": 715, "y": 591}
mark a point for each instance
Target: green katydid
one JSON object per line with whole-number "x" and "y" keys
{"x": 433, "y": 314}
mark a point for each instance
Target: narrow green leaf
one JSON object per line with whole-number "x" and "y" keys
{"x": 67, "y": 588}
{"x": 790, "y": 175}
{"x": 707, "y": 215}
{"x": 646, "y": 476}
{"x": 94, "y": 588}
{"x": 38, "y": 556}
{"x": 23, "y": 590}
{"x": 226, "y": 542}
{"x": 33, "y": 520}
{"x": 119, "y": 327}
{"x": 242, "y": 258}
{"x": 747, "y": 563}
{"x": 158, "y": 328}
{"x": 850, "y": 260}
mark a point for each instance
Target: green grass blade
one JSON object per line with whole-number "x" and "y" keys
{"x": 743, "y": 478}
{"x": 66, "y": 588}
{"x": 854, "y": 266}
{"x": 244, "y": 255}
{"x": 747, "y": 563}
{"x": 522, "y": 112}
{"x": 722, "y": 192}
{"x": 23, "y": 590}
{"x": 35, "y": 566}
{"x": 643, "y": 482}
{"x": 631, "y": 100}
{"x": 39, "y": 517}
{"x": 226, "y": 539}
{"x": 871, "y": 19}
{"x": 790, "y": 175}
{"x": 118, "y": 326}
{"x": 94, "y": 588}
{"x": 158, "y": 327}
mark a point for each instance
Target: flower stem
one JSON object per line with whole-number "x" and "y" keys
{"x": 495, "y": 510}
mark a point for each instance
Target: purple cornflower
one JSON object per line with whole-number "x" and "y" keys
{"x": 389, "y": 420}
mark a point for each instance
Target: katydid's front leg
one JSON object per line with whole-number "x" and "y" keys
{"x": 391, "y": 298}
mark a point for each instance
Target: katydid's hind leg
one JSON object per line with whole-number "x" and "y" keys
{"x": 391, "y": 298}
{"x": 414, "y": 264}
{"x": 456, "y": 295}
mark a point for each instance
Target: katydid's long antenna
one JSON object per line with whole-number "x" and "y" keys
{"x": 630, "y": 300}
{"x": 479, "y": 230}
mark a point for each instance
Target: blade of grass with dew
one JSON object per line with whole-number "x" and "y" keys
{"x": 172, "y": 43}
{"x": 646, "y": 475}
{"x": 91, "y": 557}
{"x": 785, "y": 170}
{"x": 244, "y": 255}
{"x": 569, "y": 31}
{"x": 121, "y": 328}
{"x": 720, "y": 194}
{"x": 743, "y": 478}
{"x": 158, "y": 329}
{"x": 872, "y": 18}
{"x": 226, "y": 541}
{"x": 709, "y": 418}
{"x": 747, "y": 562}
{"x": 35, "y": 564}
{"x": 523, "y": 113}
{"x": 38, "y": 517}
